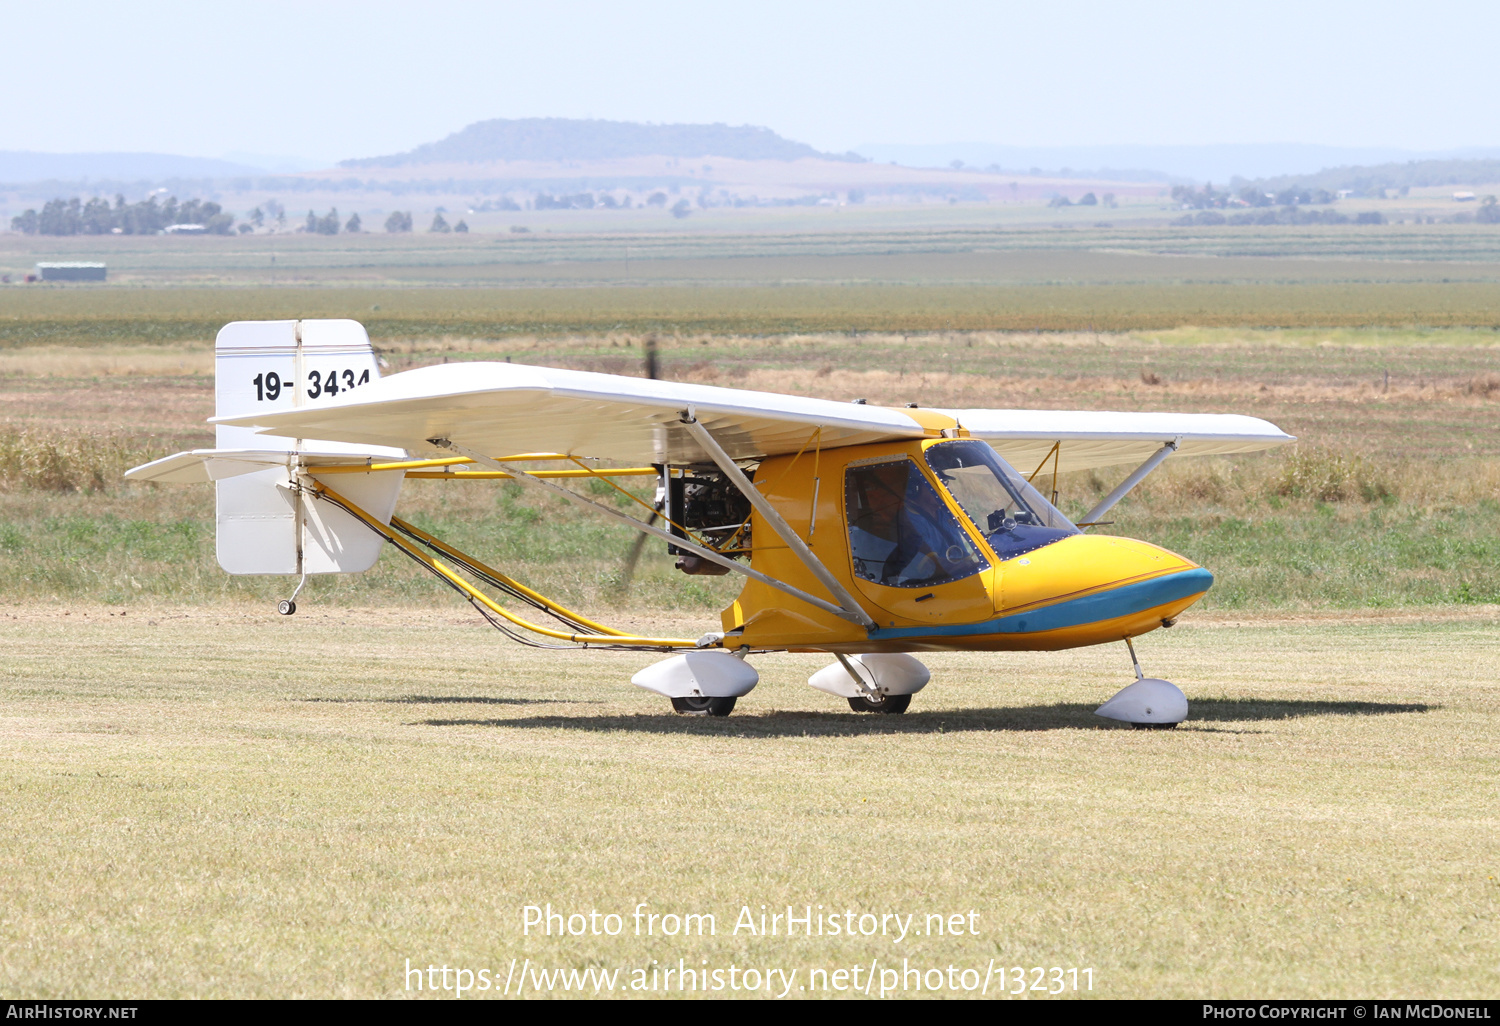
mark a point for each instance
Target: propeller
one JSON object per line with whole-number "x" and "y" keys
{"x": 633, "y": 557}
{"x": 627, "y": 572}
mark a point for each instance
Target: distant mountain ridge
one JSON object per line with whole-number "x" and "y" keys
{"x": 1179, "y": 164}
{"x": 561, "y": 139}
{"x": 1413, "y": 174}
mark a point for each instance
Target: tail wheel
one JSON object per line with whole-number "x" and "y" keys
{"x": 892, "y": 704}
{"x": 699, "y": 706}
{"x": 286, "y": 607}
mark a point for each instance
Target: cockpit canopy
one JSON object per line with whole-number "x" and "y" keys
{"x": 1012, "y": 516}
{"x": 903, "y": 535}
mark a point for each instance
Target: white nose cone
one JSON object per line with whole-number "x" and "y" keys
{"x": 1149, "y": 700}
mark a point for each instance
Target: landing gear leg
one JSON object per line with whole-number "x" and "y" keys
{"x": 286, "y": 607}
{"x": 1149, "y": 704}
{"x": 873, "y": 700}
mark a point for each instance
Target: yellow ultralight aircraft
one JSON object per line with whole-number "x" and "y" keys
{"x": 862, "y": 531}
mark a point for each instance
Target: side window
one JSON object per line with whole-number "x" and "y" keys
{"x": 900, "y": 533}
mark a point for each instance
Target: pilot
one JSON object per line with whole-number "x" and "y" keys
{"x": 900, "y": 539}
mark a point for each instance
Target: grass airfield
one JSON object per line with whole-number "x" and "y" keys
{"x": 203, "y": 798}
{"x": 223, "y": 802}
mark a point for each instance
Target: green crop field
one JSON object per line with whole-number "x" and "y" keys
{"x": 175, "y": 291}
{"x": 568, "y": 240}
{"x": 110, "y": 317}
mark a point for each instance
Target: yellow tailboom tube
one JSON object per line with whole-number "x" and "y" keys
{"x": 607, "y": 636}
{"x": 509, "y": 581}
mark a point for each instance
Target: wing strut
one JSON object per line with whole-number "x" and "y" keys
{"x": 851, "y": 609}
{"x": 1123, "y": 489}
{"x": 682, "y": 543}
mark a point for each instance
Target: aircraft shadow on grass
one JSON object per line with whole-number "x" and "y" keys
{"x": 456, "y": 700}
{"x": 1060, "y": 716}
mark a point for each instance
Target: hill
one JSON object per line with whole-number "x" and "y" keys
{"x": 1413, "y": 174}
{"x": 558, "y": 139}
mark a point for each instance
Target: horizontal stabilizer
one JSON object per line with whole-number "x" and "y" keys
{"x": 202, "y": 466}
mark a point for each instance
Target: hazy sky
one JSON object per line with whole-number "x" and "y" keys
{"x": 334, "y": 80}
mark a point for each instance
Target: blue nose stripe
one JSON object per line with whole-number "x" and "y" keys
{"x": 1104, "y": 605}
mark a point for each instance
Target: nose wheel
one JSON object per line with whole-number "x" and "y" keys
{"x": 1149, "y": 704}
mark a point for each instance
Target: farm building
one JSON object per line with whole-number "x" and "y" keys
{"x": 72, "y": 271}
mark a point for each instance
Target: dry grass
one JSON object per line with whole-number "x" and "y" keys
{"x": 72, "y": 462}
{"x": 211, "y": 804}
{"x": 56, "y": 361}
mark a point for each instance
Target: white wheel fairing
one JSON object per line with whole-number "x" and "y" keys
{"x": 1148, "y": 700}
{"x": 891, "y": 673}
{"x": 699, "y": 675}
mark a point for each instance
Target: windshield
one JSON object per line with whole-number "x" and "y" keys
{"x": 1012, "y": 515}
{"x": 901, "y": 533}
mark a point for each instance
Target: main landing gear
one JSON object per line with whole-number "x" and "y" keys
{"x": 892, "y": 704}
{"x": 699, "y": 683}
{"x": 874, "y": 682}
{"x": 698, "y": 705}
{"x": 1149, "y": 704}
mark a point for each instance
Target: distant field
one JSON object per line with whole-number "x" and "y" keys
{"x": 968, "y": 277}
{"x": 971, "y": 249}
{"x": 574, "y": 237}
{"x": 111, "y": 316}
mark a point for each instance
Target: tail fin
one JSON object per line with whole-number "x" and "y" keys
{"x": 264, "y": 366}
{"x": 263, "y": 525}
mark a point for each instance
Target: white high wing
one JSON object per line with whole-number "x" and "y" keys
{"x": 511, "y": 408}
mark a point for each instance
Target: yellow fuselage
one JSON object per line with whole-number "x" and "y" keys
{"x": 1079, "y": 590}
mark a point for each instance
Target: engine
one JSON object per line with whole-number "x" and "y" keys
{"x": 713, "y": 509}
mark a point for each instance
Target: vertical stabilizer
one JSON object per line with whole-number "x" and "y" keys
{"x": 264, "y": 526}
{"x": 270, "y": 366}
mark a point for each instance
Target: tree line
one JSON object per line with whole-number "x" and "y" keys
{"x": 1209, "y": 198}
{"x": 99, "y": 217}
{"x": 401, "y": 221}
